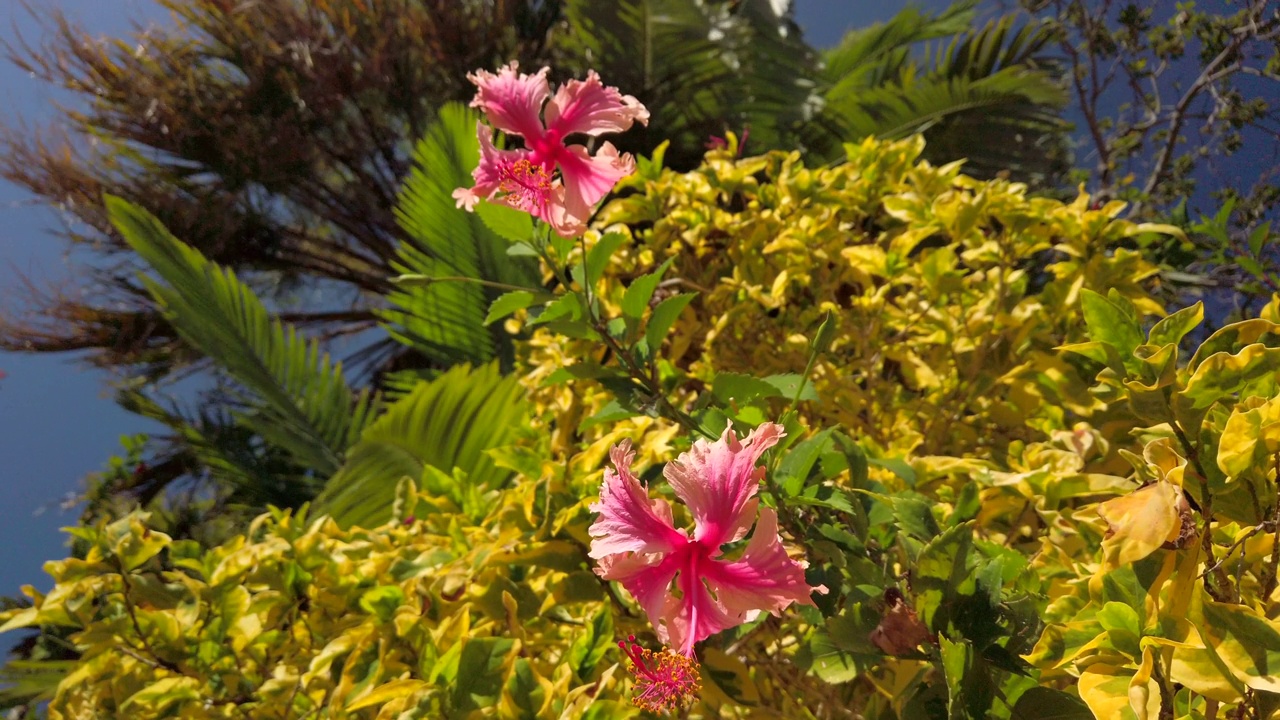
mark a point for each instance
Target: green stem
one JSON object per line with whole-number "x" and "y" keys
{"x": 647, "y": 380}
{"x": 415, "y": 279}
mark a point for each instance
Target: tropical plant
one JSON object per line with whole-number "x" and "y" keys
{"x": 941, "y": 466}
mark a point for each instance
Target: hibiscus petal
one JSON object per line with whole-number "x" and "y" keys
{"x": 591, "y": 108}
{"x": 586, "y": 181}
{"x": 648, "y": 579}
{"x": 629, "y": 520}
{"x": 512, "y": 100}
{"x": 557, "y": 215}
{"x": 716, "y": 480}
{"x": 697, "y": 614}
{"x": 765, "y": 578}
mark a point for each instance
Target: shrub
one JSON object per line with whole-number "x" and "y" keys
{"x": 1016, "y": 495}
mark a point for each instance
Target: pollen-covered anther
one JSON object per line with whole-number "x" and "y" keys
{"x": 664, "y": 680}
{"x": 527, "y": 185}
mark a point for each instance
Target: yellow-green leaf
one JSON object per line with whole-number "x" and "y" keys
{"x": 159, "y": 696}
{"x": 386, "y": 693}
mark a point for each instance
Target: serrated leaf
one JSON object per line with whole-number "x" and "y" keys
{"x": 612, "y": 411}
{"x": 567, "y": 307}
{"x": 512, "y": 225}
{"x": 663, "y": 317}
{"x": 735, "y": 387}
{"x": 510, "y": 302}
{"x": 798, "y": 464}
{"x": 598, "y": 257}
{"x": 789, "y": 383}
{"x": 636, "y": 298}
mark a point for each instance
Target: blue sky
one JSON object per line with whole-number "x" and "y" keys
{"x": 57, "y": 420}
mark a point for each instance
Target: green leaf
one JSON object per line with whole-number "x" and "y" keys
{"x": 821, "y": 657}
{"x": 445, "y": 320}
{"x": 157, "y": 698}
{"x": 1235, "y": 337}
{"x": 914, "y": 516}
{"x": 855, "y": 460}
{"x": 589, "y": 648}
{"x": 986, "y": 96}
{"x": 450, "y": 422}
{"x": 1042, "y": 703}
{"x": 636, "y": 298}
{"x": 382, "y": 601}
{"x": 1110, "y": 324}
{"x": 797, "y": 466}
{"x": 789, "y": 383}
{"x": 612, "y": 411}
{"x": 298, "y": 399}
{"x": 1246, "y": 643}
{"x": 1258, "y": 237}
{"x": 566, "y": 307}
{"x": 942, "y": 572}
{"x": 134, "y": 543}
{"x": 956, "y": 660}
{"x": 598, "y": 258}
{"x": 507, "y": 303}
{"x": 480, "y": 674}
{"x": 525, "y": 691}
{"x": 735, "y": 387}
{"x": 26, "y": 682}
{"x": 1222, "y": 375}
{"x": 1171, "y": 330}
{"x": 898, "y": 467}
{"x": 508, "y": 223}
{"x": 966, "y": 505}
{"x": 1123, "y": 627}
{"x": 663, "y": 317}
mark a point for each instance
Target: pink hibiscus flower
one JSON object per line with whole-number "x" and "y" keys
{"x": 683, "y": 583}
{"x": 525, "y": 178}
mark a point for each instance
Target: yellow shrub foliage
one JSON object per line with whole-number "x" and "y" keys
{"x": 1023, "y": 503}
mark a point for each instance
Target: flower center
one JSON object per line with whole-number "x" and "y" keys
{"x": 664, "y": 680}
{"x": 527, "y": 186}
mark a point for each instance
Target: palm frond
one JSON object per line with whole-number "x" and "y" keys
{"x": 990, "y": 95}
{"x": 870, "y": 56}
{"x": 295, "y": 396}
{"x": 28, "y": 682}
{"x": 210, "y": 443}
{"x": 700, "y": 67}
{"x": 448, "y": 423}
{"x": 445, "y": 320}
